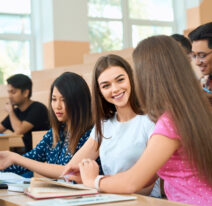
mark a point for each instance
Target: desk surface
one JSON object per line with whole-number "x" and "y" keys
{"x": 5, "y": 140}
{"x": 10, "y": 135}
{"x": 19, "y": 199}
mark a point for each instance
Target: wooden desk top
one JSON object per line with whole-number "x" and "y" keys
{"x": 6, "y": 139}
{"x": 19, "y": 199}
{"x": 10, "y": 135}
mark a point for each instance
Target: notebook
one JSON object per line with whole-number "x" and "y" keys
{"x": 44, "y": 188}
{"x": 20, "y": 187}
{"x": 84, "y": 200}
{"x": 10, "y": 177}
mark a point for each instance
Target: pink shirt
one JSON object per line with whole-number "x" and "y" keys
{"x": 181, "y": 183}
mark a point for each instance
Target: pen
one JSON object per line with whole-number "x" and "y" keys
{"x": 207, "y": 90}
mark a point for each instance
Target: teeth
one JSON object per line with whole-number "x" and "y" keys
{"x": 118, "y": 96}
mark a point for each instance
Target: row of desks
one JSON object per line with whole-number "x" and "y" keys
{"x": 8, "y": 198}
{"x": 5, "y": 140}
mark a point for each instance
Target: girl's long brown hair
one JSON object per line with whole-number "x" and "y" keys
{"x": 77, "y": 99}
{"x": 103, "y": 110}
{"x": 166, "y": 82}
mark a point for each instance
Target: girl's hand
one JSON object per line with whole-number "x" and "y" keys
{"x": 72, "y": 173}
{"x": 89, "y": 170}
{"x": 7, "y": 158}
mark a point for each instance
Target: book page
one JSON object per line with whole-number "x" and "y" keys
{"x": 43, "y": 182}
{"x": 41, "y": 188}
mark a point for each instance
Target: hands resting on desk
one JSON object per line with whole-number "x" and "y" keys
{"x": 7, "y": 158}
{"x": 85, "y": 172}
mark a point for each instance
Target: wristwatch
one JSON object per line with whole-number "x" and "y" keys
{"x": 97, "y": 180}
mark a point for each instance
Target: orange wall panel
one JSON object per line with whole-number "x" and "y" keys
{"x": 48, "y": 55}
{"x": 193, "y": 17}
{"x": 206, "y": 11}
{"x": 64, "y": 53}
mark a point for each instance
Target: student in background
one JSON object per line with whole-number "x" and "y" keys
{"x": 186, "y": 44}
{"x": 201, "y": 39}
{"x": 183, "y": 41}
{"x": 179, "y": 150}
{"x": 24, "y": 115}
{"x": 121, "y": 130}
{"x": 71, "y": 122}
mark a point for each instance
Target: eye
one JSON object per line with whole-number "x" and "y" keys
{"x": 105, "y": 86}
{"x": 13, "y": 92}
{"x": 193, "y": 56}
{"x": 121, "y": 79}
{"x": 202, "y": 55}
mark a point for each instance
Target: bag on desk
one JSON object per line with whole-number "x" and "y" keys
{"x": 43, "y": 188}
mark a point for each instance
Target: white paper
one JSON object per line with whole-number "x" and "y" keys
{"x": 84, "y": 200}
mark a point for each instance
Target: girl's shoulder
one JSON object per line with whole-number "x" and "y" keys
{"x": 87, "y": 133}
{"x": 144, "y": 119}
{"x": 85, "y": 137}
{"x": 166, "y": 126}
{"x": 48, "y": 134}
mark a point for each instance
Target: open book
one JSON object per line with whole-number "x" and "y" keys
{"x": 43, "y": 188}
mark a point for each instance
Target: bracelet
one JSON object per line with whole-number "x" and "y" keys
{"x": 97, "y": 180}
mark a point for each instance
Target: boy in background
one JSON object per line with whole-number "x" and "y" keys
{"x": 24, "y": 115}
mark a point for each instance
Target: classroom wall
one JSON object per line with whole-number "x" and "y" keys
{"x": 198, "y": 15}
{"x": 56, "y": 22}
{"x": 67, "y": 20}
{"x": 63, "y": 53}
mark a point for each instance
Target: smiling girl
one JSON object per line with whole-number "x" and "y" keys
{"x": 121, "y": 130}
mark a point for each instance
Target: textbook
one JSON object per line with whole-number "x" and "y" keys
{"x": 44, "y": 188}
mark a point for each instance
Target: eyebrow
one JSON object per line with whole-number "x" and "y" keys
{"x": 53, "y": 95}
{"x": 200, "y": 52}
{"x": 11, "y": 90}
{"x": 120, "y": 75}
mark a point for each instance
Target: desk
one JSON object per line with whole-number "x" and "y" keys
{"x": 19, "y": 199}
{"x": 4, "y": 140}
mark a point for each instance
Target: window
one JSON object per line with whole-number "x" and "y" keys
{"x": 142, "y": 32}
{"x": 15, "y": 37}
{"x": 151, "y": 10}
{"x": 118, "y": 24}
{"x": 105, "y": 25}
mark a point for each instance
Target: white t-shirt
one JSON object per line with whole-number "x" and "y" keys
{"x": 124, "y": 143}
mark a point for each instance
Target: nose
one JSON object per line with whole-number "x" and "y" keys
{"x": 115, "y": 88}
{"x": 197, "y": 61}
{"x": 58, "y": 104}
{"x": 9, "y": 95}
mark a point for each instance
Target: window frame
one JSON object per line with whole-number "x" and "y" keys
{"x": 128, "y": 23}
{"x": 22, "y": 37}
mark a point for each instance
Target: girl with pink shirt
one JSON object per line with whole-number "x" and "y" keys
{"x": 180, "y": 148}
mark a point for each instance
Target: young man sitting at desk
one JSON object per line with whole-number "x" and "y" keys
{"x": 24, "y": 115}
